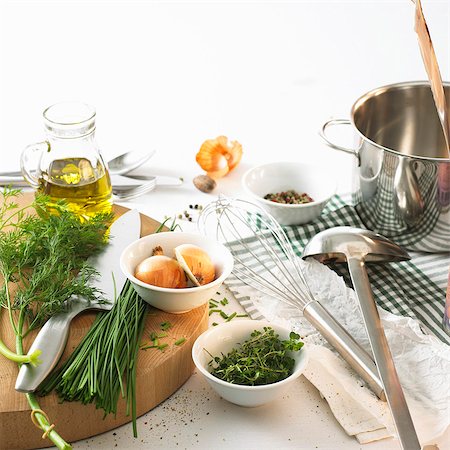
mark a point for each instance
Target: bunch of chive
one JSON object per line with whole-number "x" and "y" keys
{"x": 103, "y": 366}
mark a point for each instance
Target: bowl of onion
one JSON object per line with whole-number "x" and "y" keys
{"x": 175, "y": 271}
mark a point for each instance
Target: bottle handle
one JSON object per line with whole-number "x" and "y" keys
{"x": 29, "y": 161}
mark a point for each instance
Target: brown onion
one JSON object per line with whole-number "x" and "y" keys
{"x": 162, "y": 271}
{"x": 196, "y": 263}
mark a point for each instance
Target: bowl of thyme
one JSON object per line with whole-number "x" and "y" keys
{"x": 250, "y": 362}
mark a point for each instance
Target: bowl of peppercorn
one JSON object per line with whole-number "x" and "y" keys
{"x": 293, "y": 193}
{"x": 250, "y": 362}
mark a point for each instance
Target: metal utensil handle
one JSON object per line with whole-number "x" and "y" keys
{"x": 13, "y": 181}
{"x": 345, "y": 345}
{"x": 383, "y": 357}
{"x": 14, "y": 174}
{"x": 333, "y": 122}
{"x": 168, "y": 181}
{"x": 51, "y": 340}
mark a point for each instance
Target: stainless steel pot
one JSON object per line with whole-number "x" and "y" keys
{"x": 401, "y": 182}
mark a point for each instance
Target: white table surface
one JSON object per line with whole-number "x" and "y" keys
{"x": 167, "y": 76}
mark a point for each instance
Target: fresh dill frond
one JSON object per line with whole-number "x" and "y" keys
{"x": 44, "y": 252}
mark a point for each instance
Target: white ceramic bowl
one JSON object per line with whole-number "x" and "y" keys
{"x": 319, "y": 183}
{"x": 175, "y": 300}
{"x": 222, "y": 339}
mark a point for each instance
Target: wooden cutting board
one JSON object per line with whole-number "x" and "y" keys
{"x": 159, "y": 374}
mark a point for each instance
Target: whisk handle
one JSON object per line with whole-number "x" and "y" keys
{"x": 345, "y": 345}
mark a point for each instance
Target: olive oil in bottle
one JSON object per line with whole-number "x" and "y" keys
{"x": 86, "y": 189}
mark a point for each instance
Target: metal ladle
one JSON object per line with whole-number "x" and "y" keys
{"x": 356, "y": 247}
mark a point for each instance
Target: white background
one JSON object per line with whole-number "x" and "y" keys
{"x": 168, "y": 75}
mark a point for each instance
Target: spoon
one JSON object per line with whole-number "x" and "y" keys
{"x": 119, "y": 165}
{"x": 432, "y": 69}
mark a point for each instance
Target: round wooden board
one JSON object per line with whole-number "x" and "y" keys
{"x": 159, "y": 374}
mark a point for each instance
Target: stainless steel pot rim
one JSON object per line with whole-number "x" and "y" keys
{"x": 380, "y": 90}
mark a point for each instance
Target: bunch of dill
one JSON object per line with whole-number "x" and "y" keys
{"x": 45, "y": 254}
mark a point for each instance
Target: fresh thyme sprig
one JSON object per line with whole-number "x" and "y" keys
{"x": 262, "y": 359}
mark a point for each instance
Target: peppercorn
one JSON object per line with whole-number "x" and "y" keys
{"x": 290, "y": 197}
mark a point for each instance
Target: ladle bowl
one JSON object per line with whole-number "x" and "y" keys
{"x": 333, "y": 245}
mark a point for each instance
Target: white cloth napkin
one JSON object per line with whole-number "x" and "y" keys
{"x": 422, "y": 362}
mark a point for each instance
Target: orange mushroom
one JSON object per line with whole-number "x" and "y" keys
{"x": 219, "y": 156}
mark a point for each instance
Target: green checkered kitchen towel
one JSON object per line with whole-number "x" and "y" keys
{"x": 413, "y": 288}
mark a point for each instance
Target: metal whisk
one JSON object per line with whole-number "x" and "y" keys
{"x": 254, "y": 235}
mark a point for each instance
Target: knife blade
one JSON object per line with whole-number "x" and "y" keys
{"x": 52, "y": 337}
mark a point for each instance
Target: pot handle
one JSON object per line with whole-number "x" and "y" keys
{"x": 334, "y": 122}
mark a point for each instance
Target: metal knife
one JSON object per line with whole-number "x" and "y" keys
{"x": 160, "y": 180}
{"x": 52, "y": 337}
